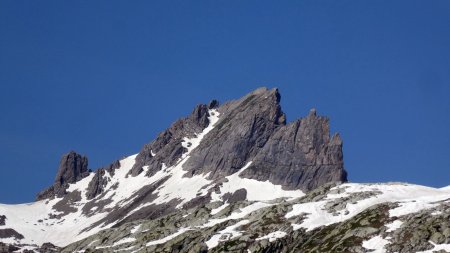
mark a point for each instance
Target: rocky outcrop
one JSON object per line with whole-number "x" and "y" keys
{"x": 251, "y": 233}
{"x": 48, "y": 248}
{"x": 72, "y": 168}
{"x": 5, "y": 248}
{"x": 421, "y": 229}
{"x": 204, "y": 205}
{"x": 167, "y": 148}
{"x": 244, "y": 127}
{"x": 301, "y": 155}
{"x": 10, "y": 233}
{"x": 99, "y": 181}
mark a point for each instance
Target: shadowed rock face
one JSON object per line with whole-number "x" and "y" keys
{"x": 8, "y": 233}
{"x": 167, "y": 147}
{"x": 72, "y": 168}
{"x": 300, "y": 155}
{"x": 244, "y": 128}
{"x": 98, "y": 182}
{"x": 251, "y": 133}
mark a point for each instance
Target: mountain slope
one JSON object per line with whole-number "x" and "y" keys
{"x": 350, "y": 217}
{"x": 234, "y": 177}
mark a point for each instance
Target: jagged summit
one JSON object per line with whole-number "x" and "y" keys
{"x": 249, "y": 131}
{"x": 72, "y": 168}
{"x": 248, "y": 128}
{"x": 232, "y": 176}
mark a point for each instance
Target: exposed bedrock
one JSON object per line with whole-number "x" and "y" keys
{"x": 99, "y": 181}
{"x": 72, "y": 168}
{"x": 299, "y": 155}
{"x": 244, "y": 127}
{"x": 167, "y": 147}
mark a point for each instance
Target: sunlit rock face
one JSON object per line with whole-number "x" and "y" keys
{"x": 240, "y": 154}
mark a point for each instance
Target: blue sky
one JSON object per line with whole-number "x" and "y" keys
{"x": 105, "y": 77}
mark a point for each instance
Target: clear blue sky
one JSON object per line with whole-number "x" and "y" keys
{"x": 105, "y": 77}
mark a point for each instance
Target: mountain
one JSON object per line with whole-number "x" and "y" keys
{"x": 232, "y": 177}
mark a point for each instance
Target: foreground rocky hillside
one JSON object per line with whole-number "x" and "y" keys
{"x": 234, "y": 177}
{"x": 344, "y": 218}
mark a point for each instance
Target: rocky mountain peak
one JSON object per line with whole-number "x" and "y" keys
{"x": 72, "y": 168}
{"x": 312, "y": 112}
{"x": 231, "y": 177}
{"x": 251, "y": 129}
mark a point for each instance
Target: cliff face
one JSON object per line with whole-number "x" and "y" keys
{"x": 236, "y": 178}
{"x": 250, "y": 130}
{"x": 72, "y": 168}
{"x": 300, "y": 155}
{"x": 237, "y": 153}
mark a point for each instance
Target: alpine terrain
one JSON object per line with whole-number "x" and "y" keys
{"x": 231, "y": 177}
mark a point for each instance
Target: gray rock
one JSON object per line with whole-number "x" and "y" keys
{"x": 72, "y": 168}
{"x": 244, "y": 127}
{"x": 420, "y": 228}
{"x": 6, "y": 248}
{"x": 2, "y": 220}
{"x": 253, "y": 128}
{"x": 10, "y": 233}
{"x": 346, "y": 236}
{"x": 167, "y": 147}
{"x": 99, "y": 181}
{"x": 47, "y": 248}
{"x": 237, "y": 196}
{"x": 300, "y": 155}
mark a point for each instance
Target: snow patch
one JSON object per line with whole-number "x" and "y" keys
{"x": 135, "y": 228}
{"x": 436, "y": 213}
{"x": 256, "y": 190}
{"x": 394, "y": 225}
{"x": 376, "y": 244}
{"x": 412, "y": 198}
{"x": 218, "y": 209}
{"x": 185, "y": 188}
{"x": 123, "y": 241}
{"x": 168, "y": 238}
{"x": 272, "y": 236}
{"x": 226, "y": 234}
{"x": 241, "y": 213}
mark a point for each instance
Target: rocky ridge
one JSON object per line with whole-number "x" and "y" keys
{"x": 286, "y": 226}
{"x": 231, "y": 177}
{"x": 72, "y": 168}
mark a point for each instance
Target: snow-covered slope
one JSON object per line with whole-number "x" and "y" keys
{"x": 34, "y": 221}
{"x": 362, "y": 216}
{"x": 233, "y": 178}
{"x": 64, "y": 220}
